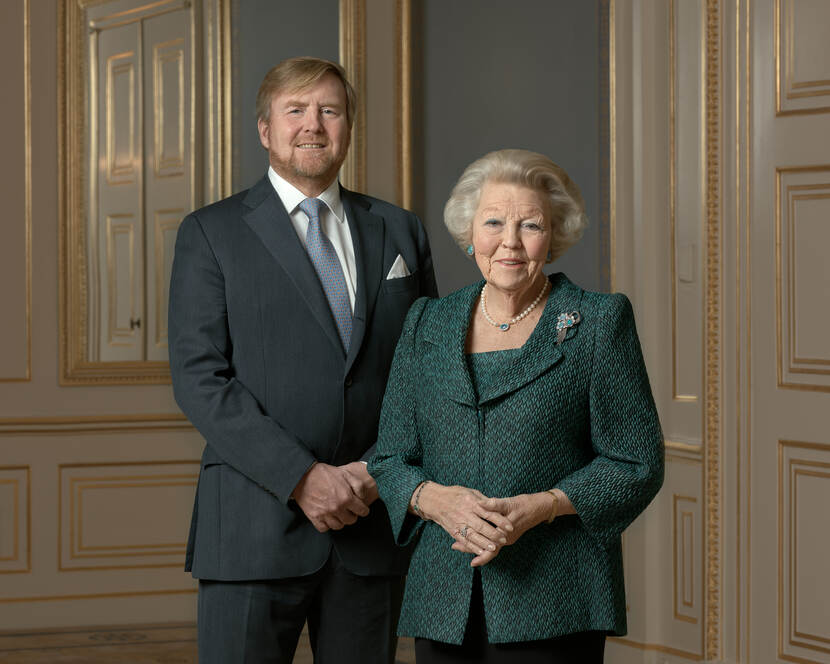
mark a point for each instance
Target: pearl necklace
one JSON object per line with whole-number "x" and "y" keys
{"x": 506, "y": 326}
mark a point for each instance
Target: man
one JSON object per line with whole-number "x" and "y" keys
{"x": 286, "y": 302}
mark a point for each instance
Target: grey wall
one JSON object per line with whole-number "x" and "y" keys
{"x": 489, "y": 75}
{"x": 264, "y": 33}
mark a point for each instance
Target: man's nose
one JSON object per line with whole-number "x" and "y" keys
{"x": 312, "y": 121}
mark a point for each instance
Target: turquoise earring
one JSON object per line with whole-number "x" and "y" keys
{"x": 550, "y": 256}
{"x": 470, "y": 250}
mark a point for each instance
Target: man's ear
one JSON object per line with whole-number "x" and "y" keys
{"x": 264, "y": 131}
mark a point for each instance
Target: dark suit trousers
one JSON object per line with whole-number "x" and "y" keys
{"x": 351, "y": 619}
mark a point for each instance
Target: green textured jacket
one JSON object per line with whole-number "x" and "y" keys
{"x": 579, "y": 416}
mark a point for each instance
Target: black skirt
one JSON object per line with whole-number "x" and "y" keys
{"x": 578, "y": 648}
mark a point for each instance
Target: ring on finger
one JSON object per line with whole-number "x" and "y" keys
{"x": 463, "y": 531}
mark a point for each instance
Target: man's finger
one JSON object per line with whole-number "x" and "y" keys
{"x": 356, "y": 485}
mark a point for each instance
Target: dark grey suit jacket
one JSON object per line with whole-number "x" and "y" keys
{"x": 259, "y": 369}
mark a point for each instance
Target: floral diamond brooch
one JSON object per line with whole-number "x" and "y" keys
{"x": 564, "y": 322}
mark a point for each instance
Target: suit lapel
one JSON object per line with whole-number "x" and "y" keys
{"x": 367, "y": 237}
{"x": 269, "y": 220}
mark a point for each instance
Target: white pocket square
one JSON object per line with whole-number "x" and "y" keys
{"x": 399, "y": 269}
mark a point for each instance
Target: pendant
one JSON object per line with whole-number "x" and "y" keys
{"x": 504, "y": 327}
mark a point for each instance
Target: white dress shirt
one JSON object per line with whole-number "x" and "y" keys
{"x": 332, "y": 222}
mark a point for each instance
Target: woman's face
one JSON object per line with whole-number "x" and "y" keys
{"x": 511, "y": 236}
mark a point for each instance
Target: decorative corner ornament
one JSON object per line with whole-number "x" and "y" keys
{"x": 564, "y": 321}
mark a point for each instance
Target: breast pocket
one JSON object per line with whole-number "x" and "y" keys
{"x": 407, "y": 284}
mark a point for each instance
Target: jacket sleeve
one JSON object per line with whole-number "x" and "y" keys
{"x": 219, "y": 406}
{"x": 627, "y": 472}
{"x": 396, "y": 465}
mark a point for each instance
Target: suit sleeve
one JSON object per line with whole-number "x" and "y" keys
{"x": 219, "y": 406}
{"x": 396, "y": 465}
{"x": 627, "y": 472}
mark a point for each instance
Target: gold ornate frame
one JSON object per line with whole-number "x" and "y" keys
{"x": 76, "y": 369}
{"x": 352, "y": 24}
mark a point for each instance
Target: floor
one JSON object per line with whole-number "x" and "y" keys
{"x": 134, "y": 644}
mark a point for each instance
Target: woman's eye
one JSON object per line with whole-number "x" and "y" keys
{"x": 492, "y": 222}
{"x": 531, "y": 226}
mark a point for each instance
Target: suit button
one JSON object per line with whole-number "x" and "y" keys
{"x": 348, "y": 381}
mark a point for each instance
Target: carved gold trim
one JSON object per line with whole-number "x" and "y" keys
{"x": 403, "y": 102}
{"x": 140, "y": 593}
{"x": 353, "y": 58}
{"x": 681, "y": 446}
{"x": 676, "y": 543}
{"x": 688, "y": 398}
{"x": 656, "y": 648}
{"x": 77, "y": 486}
{"x": 28, "y": 517}
{"x": 162, "y": 162}
{"x": 612, "y": 151}
{"x": 119, "y": 174}
{"x": 75, "y": 516}
{"x": 779, "y": 267}
{"x": 793, "y": 594}
{"x": 792, "y": 472}
{"x": 120, "y": 336}
{"x": 788, "y": 74}
{"x": 133, "y": 15}
{"x": 793, "y": 358}
{"x": 15, "y": 483}
{"x": 748, "y": 346}
{"x": 713, "y": 369}
{"x": 743, "y": 355}
{"x": 82, "y": 425}
{"x": 27, "y": 193}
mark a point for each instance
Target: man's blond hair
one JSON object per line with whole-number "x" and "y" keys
{"x": 297, "y": 74}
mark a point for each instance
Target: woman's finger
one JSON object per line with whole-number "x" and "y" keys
{"x": 496, "y": 518}
{"x": 501, "y": 505}
{"x": 484, "y": 558}
{"x": 479, "y": 541}
{"x": 491, "y": 532}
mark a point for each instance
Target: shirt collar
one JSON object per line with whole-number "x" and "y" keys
{"x": 291, "y": 197}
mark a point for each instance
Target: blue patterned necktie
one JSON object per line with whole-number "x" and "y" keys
{"x": 328, "y": 268}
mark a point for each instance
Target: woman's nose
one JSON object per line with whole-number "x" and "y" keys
{"x": 511, "y": 236}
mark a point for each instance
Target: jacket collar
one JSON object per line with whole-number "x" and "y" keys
{"x": 268, "y": 219}
{"x": 448, "y": 331}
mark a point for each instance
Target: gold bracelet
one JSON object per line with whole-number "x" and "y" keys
{"x": 415, "y": 507}
{"x": 555, "y": 509}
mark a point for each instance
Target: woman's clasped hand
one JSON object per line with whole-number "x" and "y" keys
{"x": 479, "y": 525}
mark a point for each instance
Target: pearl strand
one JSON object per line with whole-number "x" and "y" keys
{"x": 506, "y": 326}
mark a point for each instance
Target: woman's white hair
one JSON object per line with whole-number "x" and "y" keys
{"x": 566, "y": 209}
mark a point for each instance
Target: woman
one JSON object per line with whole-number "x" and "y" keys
{"x": 518, "y": 436}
